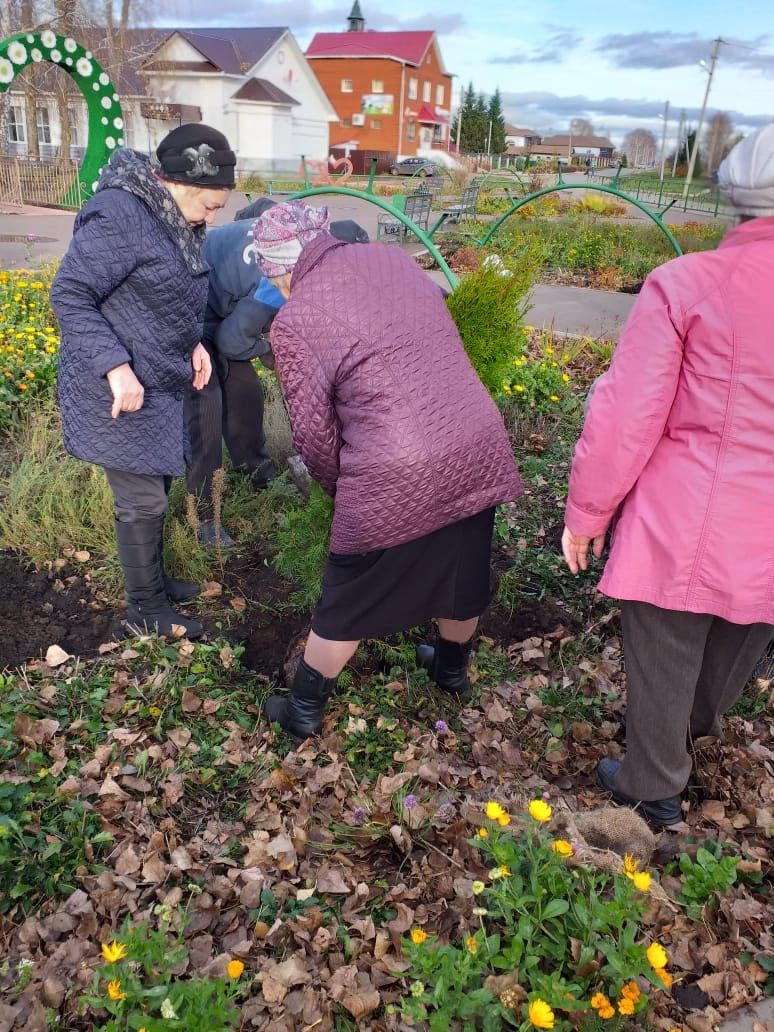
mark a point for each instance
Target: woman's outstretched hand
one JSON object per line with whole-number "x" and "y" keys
{"x": 576, "y": 549}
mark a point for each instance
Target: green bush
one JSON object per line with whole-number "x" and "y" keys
{"x": 301, "y": 543}
{"x": 488, "y": 307}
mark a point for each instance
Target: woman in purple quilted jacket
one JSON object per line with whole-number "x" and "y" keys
{"x": 392, "y": 420}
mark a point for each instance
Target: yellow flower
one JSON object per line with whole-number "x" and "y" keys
{"x": 625, "y": 1006}
{"x": 418, "y": 936}
{"x": 657, "y": 956}
{"x": 114, "y": 990}
{"x": 565, "y": 377}
{"x": 631, "y": 991}
{"x": 540, "y": 1014}
{"x": 665, "y": 977}
{"x": 477, "y": 887}
{"x": 642, "y": 880}
{"x": 608, "y": 1011}
{"x": 562, "y": 847}
{"x": 471, "y": 944}
{"x": 483, "y": 833}
{"x": 519, "y": 388}
{"x": 154, "y": 711}
{"x": 540, "y": 811}
{"x": 504, "y": 871}
{"x": 599, "y": 1000}
{"x": 235, "y": 969}
{"x": 113, "y": 951}
{"x": 503, "y": 820}
{"x": 554, "y": 397}
{"x": 493, "y": 811}
{"x": 630, "y": 865}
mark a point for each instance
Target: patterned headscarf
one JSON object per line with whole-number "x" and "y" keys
{"x": 282, "y": 232}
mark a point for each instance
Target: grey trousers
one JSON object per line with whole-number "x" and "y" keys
{"x": 683, "y": 672}
{"x": 138, "y": 496}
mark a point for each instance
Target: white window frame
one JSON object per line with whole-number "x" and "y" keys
{"x": 377, "y": 86}
{"x": 17, "y": 127}
{"x": 72, "y": 114}
{"x": 413, "y": 90}
{"x": 411, "y": 130}
{"x": 427, "y": 92}
{"x": 43, "y": 125}
{"x": 346, "y": 86}
{"x": 440, "y": 93}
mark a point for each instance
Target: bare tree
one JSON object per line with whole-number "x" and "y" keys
{"x": 640, "y": 147}
{"x": 581, "y": 127}
{"x": 718, "y": 139}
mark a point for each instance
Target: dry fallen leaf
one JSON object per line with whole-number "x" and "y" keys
{"x": 56, "y": 655}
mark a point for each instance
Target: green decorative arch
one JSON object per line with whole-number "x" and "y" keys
{"x": 656, "y": 216}
{"x": 106, "y": 121}
{"x": 396, "y": 213}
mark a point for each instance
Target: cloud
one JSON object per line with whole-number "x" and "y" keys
{"x": 658, "y": 50}
{"x": 302, "y": 16}
{"x": 542, "y": 110}
{"x": 554, "y": 48}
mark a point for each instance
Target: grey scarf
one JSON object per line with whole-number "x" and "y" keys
{"x": 130, "y": 171}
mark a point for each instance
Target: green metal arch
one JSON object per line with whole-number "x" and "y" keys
{"x": 106, "y": 122}
{"x": 598, "y": 188}
{"x": 365, "y": 195}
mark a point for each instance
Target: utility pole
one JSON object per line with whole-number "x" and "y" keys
{"x": 695, "y": 150}
{"x": 679, "y": 145}
{"x": 459, "y": 120}
{"x": 665, "y": 116}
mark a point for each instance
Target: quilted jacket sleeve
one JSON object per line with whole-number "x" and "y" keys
{"x": 309, "y": 390}
{"x": 628, "y": 413}
{"x": 104, "y": 250}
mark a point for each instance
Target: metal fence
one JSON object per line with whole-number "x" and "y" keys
{"x": 49, "y": 184}
{"x": 657, "y": 194}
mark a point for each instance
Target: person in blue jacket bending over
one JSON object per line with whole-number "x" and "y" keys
{"x": 241, "y": 306}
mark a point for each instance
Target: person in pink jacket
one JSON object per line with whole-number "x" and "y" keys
{"x": 391, "y": 419}
{"x": 676, "y": 460}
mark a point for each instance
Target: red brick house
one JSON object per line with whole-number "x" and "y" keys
{"x": 390, "y": 90}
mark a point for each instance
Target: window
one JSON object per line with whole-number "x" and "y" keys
{"x": 346, "y": 123}
{"x": 437, "y": 134}
{"x": 377, "y": 86}
{"x": 413, "y": 89}
{"x": 43, "y": 125}
{"x": 411, "y": 130}
{"x": 439, "y": 91}
{"x": 376, "y": 123}
{"x": 346, "y": 85}
{"x": 426, "y": 94}
{"x": 16, "y": 129}
{"x": 72, "y": 116}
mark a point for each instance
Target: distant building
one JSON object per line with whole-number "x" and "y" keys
{"x": 390, "y": 90}
{"x": 254, "y": 84}
{"x": 581, "y": 146}
{"x": 515, "y": 137}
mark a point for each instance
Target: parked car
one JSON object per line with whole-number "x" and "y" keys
{"x": 414, "y": 166}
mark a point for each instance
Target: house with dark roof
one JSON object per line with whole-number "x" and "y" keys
{"x": 581, "y": 146}
{"x": 254, "y": 84}
{"x": 517, "y": 137}
{"x": 390, "y": 90}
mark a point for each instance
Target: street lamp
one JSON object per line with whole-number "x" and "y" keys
{"x": 710, "y": 70}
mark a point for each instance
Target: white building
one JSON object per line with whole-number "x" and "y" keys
{"x": 253, "y": 84}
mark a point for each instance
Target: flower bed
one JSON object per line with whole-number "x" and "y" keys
{"x": 29, "y": 340}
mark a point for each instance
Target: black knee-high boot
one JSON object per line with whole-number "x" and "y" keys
{"x": 300, "y": 712}
{"x": 148, "y": 610}
{"x": 447, "y": 663}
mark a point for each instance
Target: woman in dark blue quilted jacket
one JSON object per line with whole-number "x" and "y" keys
{"x": 130, "y": 296}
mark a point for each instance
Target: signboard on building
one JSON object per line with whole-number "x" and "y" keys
{"x": 377, "y": 104}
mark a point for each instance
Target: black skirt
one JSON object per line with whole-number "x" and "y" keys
{"x": 444, "y": 575}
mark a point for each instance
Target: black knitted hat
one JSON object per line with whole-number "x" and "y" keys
{"x": 197, "y": 155}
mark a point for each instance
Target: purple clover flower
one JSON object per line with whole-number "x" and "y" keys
{"x": 441, "y": 727}
{"x": 410, "y": 802}
{"x": 358, "y": 815}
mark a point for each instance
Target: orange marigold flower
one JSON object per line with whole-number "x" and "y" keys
{"x": 418, "y": 936}
{"x": 235, "y": 969}
{"x": 631, "y": 991}
{"x": 606, "y": 1012}
{"x": 625, "y": 1006}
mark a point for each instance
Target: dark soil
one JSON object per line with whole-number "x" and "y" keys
{"x": 39, "y": 608}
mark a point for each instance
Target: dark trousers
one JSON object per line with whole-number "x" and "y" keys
{"x": 229, "y": 408}
{"x": 683, "y": 672}
{"x": 138, "y": 496}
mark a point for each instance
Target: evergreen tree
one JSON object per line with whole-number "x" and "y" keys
{"x": 495, "y": 116}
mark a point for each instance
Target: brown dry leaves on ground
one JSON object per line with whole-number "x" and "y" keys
{"x": 346, "y": 867}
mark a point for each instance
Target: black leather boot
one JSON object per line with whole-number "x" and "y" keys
{"x": 300, "y": 713}
{"x": 447, "y": 663}
{"x": 661, "y": 812}
{"x": 148, "y": 611}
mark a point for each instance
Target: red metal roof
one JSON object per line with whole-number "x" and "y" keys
{"x": 410, "y": 47}
{"x": 429, "y": 115}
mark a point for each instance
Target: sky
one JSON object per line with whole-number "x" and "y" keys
{"x": 614, "y": 62}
